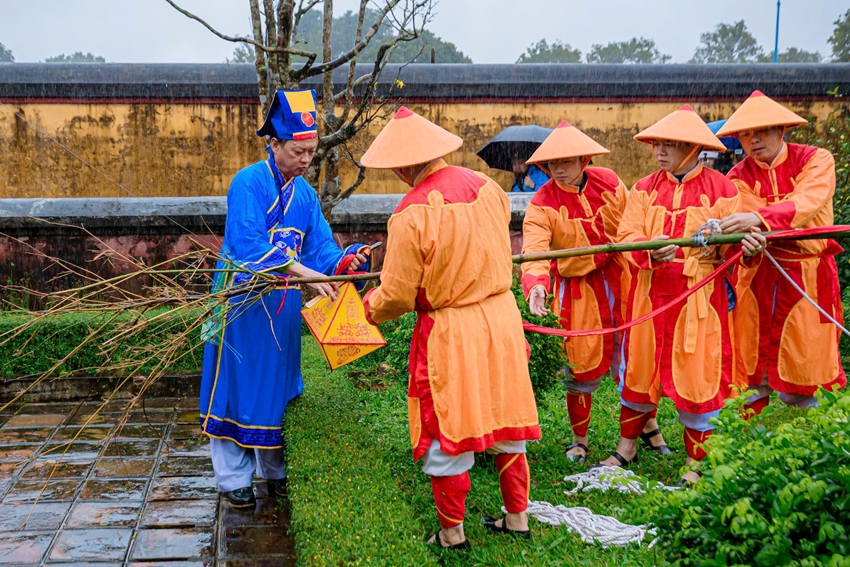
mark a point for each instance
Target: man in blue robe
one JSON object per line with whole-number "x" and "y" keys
{"x": 252, "y": 355}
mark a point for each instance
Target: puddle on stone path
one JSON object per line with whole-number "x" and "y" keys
{"x": 185, "y": 466}
{"x": 9, "y": 469}
{"x": 193, "y": 417}
{"x": 65, "y": 451}
{"x": 47, "y": 469}
{"x": 111, "y": 467}
{"x": 247, "y": 541}
{"x": 17, "y": 453}
{"x": 168, "y": 543}
{"x": 99, "y": 418}
{"x": 30, "y": 490}
{"x": 180, "y": 513}
{"x": 97, "y": 514}
{"x": 10, "y": 436}
{"x": 184, "y": 488}
{"x": 91, "y": 544}
{"x": 267, "y": 512}
{"x": 120, "y": 489}
{"x": 24, "y": 548}
{"x": 188, "y": 447}
{"x": 42, "y": 516}
{"x": 134, "y": 448}
{"x": 45, "y": 420}
{"x": 79, "y": 433}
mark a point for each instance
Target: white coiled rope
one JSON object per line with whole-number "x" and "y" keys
{"x": 595, "y": 528}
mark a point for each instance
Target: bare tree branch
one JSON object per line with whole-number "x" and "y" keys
{"x": 303, "y": 10}
{"x": 349, "y": 83}
{"x": 260, "y": 57}
{"x": 327, "y": 53}
{"x": 256, "y": 44}
{"x": 271, "y": 37}
{"x": 328, "y": 66}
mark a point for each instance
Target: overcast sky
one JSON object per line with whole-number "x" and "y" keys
{"x": 488, "y": 31}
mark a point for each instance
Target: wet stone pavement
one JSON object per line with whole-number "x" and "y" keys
{"x": 78, "y": 490}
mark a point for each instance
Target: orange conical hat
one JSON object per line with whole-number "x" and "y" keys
{"x": 409, "y": 139}
{"x": 682, "y": 125}
{"x": 566, "y": 141}
{"x": 759, "y": 111}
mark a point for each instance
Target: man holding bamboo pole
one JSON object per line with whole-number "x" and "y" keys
{"x": 449, "y": 259}
{"x": 685, "y": 353}
{"x": 579, "y": 206}
{"x": 783, "y": 343}
{"x": 252, "y": 355}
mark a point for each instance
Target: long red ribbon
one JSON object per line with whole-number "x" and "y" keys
{"x": 587, "y": 332}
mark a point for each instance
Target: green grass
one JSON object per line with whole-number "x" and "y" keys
{"x": 357, "y": 495}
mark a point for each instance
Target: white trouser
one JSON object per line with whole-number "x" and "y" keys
{"x": 235, "y": 466}
{"x": 763, "y": 390}
{"x": 437, "y": 463}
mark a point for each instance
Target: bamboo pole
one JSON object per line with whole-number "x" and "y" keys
{"x": 610, "y": 248}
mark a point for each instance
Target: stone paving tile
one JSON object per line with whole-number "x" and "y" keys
{"x": 31, "y": 490}
{"x": 98, "y": 514}
{"x": 111, "y": 467}
{"x": 207, "y": 563}
{"x": 185, "y": 431}
{"x": 116, "y": 489}
{"x": 43, "y": 408}
{"x": 193, "y": 417}
{"x": 183, "y": 488}
{"x": 173, "y": 543}
{"x": 150, "y": 417}
{"x": 42, "y": 470}
{"x": 187, "y": 448}
{"x": 94, "y": 544}
{"x": 8, "y": 470}
{"x": 167, "y": 403}
{"x": 180, "y": 513}
{"x": 142, "y": 431}
{"x": 17, "y": 548}
{"x": 278, "y": 561}
{"x": 17, "y": 453}
{"x": 65, "y": 451}
{"x": 248, "y": 541}
{"x": 132, "y": 448}
{"x": 44, "y": 420}
{"x": 84, "y": 564}
{"x": 34, "y": 435}
{"x": 80, "y": 433}
{"x": 88, "y": 419}
{"x": 42, "y": 516}
{"x": 185, "y": 466}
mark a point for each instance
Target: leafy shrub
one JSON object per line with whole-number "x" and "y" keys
{"x": 768, "y": 497}
{"x": 36, "y": 350}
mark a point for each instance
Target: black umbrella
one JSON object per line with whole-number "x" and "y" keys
{"x": 513, "y": 141}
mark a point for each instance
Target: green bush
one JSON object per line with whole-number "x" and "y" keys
{"x": 37, "y": 349}
{"x": 768, "y": 496}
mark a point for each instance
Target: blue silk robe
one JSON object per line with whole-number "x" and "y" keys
{"x": 252, "y": 362}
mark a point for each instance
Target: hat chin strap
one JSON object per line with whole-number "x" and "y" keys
{"x": 696, "y": 150}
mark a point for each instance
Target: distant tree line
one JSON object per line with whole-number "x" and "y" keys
{"x": 727, "y": 43}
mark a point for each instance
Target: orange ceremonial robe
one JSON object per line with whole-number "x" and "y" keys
{"x": 686, "y": 352}
{"x": 560, "y": 218}
{"x": 449, "y": 259}
{"x": 778, "y": 331}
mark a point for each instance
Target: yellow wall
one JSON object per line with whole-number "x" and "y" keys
{"x": 189, "y": 150}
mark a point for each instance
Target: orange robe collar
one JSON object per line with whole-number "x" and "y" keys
{"x": 692, "y": 174}
{"x": 777, "y": 161}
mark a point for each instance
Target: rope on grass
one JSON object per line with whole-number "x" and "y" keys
{"x": 612, "y": 478}
{"x": 590, "y": 527}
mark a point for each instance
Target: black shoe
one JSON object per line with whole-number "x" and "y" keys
{"x": 577, "y": 458}
{"x": 462, "y": 546}
{"x": 490, "y": 524}
{"x": 278, "y": 488}
{"x": 663, "y": 449}
{"x": 620, "y": 459}
{"x": 242, "y": 497}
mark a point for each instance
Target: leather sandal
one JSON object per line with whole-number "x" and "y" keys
{"x": 662, "y": 449}
{"x": 464, "y": 545}
{"x": 577, "y": 458}
{"x": 620, "y": 459}
{"x": 490, "y": 524}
